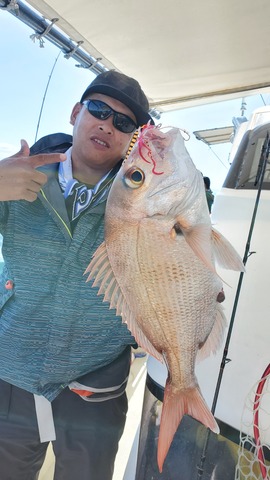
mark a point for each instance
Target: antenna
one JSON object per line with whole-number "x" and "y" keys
{"x": 243, "y": 107}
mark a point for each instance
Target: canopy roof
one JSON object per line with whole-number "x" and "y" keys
{"x": 182, "y": 53}
{"x": 214, "y": 136}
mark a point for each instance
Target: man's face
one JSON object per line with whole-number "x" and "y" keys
{"x": 97, "y": 143}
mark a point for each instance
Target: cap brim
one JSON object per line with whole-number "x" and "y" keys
{"x": 141, "y": 115}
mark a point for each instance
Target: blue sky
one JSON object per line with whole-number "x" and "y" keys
{"x": 25, "y": 72}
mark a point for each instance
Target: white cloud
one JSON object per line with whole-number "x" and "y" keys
{"x": 7, "y": 149}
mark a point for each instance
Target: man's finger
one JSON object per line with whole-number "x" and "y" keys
{"x": 24, "y": 151}
{"x": 36, "y": 184}
{"x": 46, "y": 159}
{"x": 29, "y": 196}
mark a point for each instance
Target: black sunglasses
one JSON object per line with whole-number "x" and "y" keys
{"x": 102, "y": 111}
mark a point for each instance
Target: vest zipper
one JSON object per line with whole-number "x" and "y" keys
{"x": 57, "y": 214}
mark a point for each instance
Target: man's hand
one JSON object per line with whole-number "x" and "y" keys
{"x": 19, "y": 179}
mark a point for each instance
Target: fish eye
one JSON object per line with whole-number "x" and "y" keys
{"x": 134, "y": 177}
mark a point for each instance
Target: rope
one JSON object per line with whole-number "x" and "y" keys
{"x": 256, "y": 423}
{"x": 12, "y": 5}
{"x": 39, "y": 36}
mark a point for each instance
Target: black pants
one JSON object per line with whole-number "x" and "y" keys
{"x": 87, "y": 436}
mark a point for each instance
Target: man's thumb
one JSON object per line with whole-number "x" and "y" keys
{"x": 24, "y": 151}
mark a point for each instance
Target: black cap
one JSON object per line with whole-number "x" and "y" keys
{"x": 125, "y": 89}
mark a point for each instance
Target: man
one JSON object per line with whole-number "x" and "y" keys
{"x": 209, "y": 194}
{"x": 64, "y": 357}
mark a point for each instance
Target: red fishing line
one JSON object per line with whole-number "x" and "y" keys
{"x": 143, "y": 144}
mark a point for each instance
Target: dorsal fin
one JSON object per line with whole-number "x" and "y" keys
{"x": 101, "y": 271}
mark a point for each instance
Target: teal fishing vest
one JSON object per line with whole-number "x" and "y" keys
{"x": 53, "y": 326}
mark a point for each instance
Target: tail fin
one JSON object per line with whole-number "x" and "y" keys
{"x": 175, "y": 406}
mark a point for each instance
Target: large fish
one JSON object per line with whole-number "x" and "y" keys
{"x": 156, "y": 268}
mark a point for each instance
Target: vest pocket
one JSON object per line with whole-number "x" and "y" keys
{"x": 6, "y": 287}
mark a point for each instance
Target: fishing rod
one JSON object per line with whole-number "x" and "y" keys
{"x": 45, "y": 93}
{"x": 258, "y": 181}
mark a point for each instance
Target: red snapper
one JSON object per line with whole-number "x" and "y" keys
{"x": 157, "y": 268}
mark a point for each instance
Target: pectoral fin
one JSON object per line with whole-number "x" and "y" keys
{"x": 225, "y": 254}
{"x": 209, "y": 245}
{"x": 199, "y": 240}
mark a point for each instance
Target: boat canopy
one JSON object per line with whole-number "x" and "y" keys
{"x": 182, "y": 53}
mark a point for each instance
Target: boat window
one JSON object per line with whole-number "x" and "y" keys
{"x": 243, "y": 173}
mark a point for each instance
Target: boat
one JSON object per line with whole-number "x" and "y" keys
{"x": 157, "y": 42}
